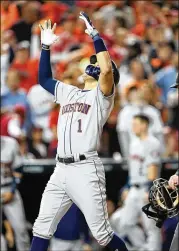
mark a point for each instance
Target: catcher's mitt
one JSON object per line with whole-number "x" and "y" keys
{"x": 164, "y": 202}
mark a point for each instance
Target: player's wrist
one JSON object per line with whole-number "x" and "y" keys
{"x": 94, "y": 34}
{"x": 45, "y": 47}
{"x": 99, "y": 44}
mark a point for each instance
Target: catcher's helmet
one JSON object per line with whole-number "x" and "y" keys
{"x": 164, "y": 202}
{"x": 94, "y": 71}
{"x": 176, "y": 84}
{"x": 163, "y": 198}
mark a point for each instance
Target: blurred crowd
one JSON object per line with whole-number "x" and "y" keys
{"x": 142, "y": 38}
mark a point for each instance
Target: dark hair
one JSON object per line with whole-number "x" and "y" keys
{"x": 142, "y": 118}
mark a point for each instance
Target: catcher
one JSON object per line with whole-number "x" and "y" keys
{"x": 173, "y": 182}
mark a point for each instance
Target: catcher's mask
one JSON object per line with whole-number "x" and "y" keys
{"x": 164, "y": 202}
{"x": 94, "y": 71}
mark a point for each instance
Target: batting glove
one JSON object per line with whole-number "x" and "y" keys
{"x": 91, "y": 31}
{"x": 47, "y": 33}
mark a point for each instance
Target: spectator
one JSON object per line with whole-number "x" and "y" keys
{"x": 27, "y": 67}
{"x": 138, "y": 103}
{"x": 15, "y": 96}
{"x": 12, "y": 123}
{"x": 24, "y": 150}
{"x": 9, "y": 14}
{"x": 30, "y": 14}
{"x": 8, "y": 42}
{"x": 40, "y": 102}
{"x": 66, "y": 32}
{"x": 120, "y": 43}
{"x": 167, "y": 74}
{"x": 176, "y": 35}
{"x": 53, "y": 10}
{"x": 119, "y": 7}
{"x": 100, "y": 24}
{"x": 36, "y": 145}
{"x": 138, "y": 77}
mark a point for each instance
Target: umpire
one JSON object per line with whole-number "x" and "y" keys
{"x": 173, "y": 182}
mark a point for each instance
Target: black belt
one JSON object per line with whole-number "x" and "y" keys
{"x": 7, "y": 184}
{"x": 69, "y": 160}
{"x": 138, "y": 185}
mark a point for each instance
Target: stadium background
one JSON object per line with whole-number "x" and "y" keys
{"x": 142, "y": 38}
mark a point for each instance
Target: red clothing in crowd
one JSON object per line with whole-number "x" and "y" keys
{"x": 5, "y": 120}
{"x": 28, "y": 72}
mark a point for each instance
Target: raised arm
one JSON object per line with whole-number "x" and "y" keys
{"x": 45, "y": 73}
{"x": 106, "y": 80}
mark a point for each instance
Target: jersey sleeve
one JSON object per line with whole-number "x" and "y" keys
{"x": 105, "y": 102}
{"x": 154, "y": 155}
{"x": 62, "y": 92}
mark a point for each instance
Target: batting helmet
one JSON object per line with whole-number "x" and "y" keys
{"x": 176, "y": 84}
{"x": 94, "y": 71}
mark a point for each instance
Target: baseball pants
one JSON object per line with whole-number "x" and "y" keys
{"x": 15, "y": 214}
{"x": 175, "y": 243}
{"x": 82, "y": 183}
{"x": 136, "y": 235}
{"x": 130, "y": 217}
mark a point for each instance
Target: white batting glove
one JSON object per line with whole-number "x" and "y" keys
{"x": 91, "y": 31}
{"x": 47, "y": 33}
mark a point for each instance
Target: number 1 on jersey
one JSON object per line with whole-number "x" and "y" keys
{"x": 79, "y": 126}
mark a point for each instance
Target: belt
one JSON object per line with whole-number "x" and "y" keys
{"x": 69, "y": 160}
{"x": 7, "y": 184}
{"x": 138, "y": 185}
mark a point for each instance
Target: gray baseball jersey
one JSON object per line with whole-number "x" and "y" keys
{"x": 10, "y": 159}
{"x": 142, "y": 154}
{"x": 81, "y": 119}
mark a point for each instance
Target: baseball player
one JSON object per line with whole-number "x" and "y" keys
{"x": 144, "y": 160}
{"x": 10, "y": 197}
{"x": 134, "y": 238}
{"x": 79, "y": 175}
{"x": 173, "y": 182}
{"x": 125, "y": 116}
